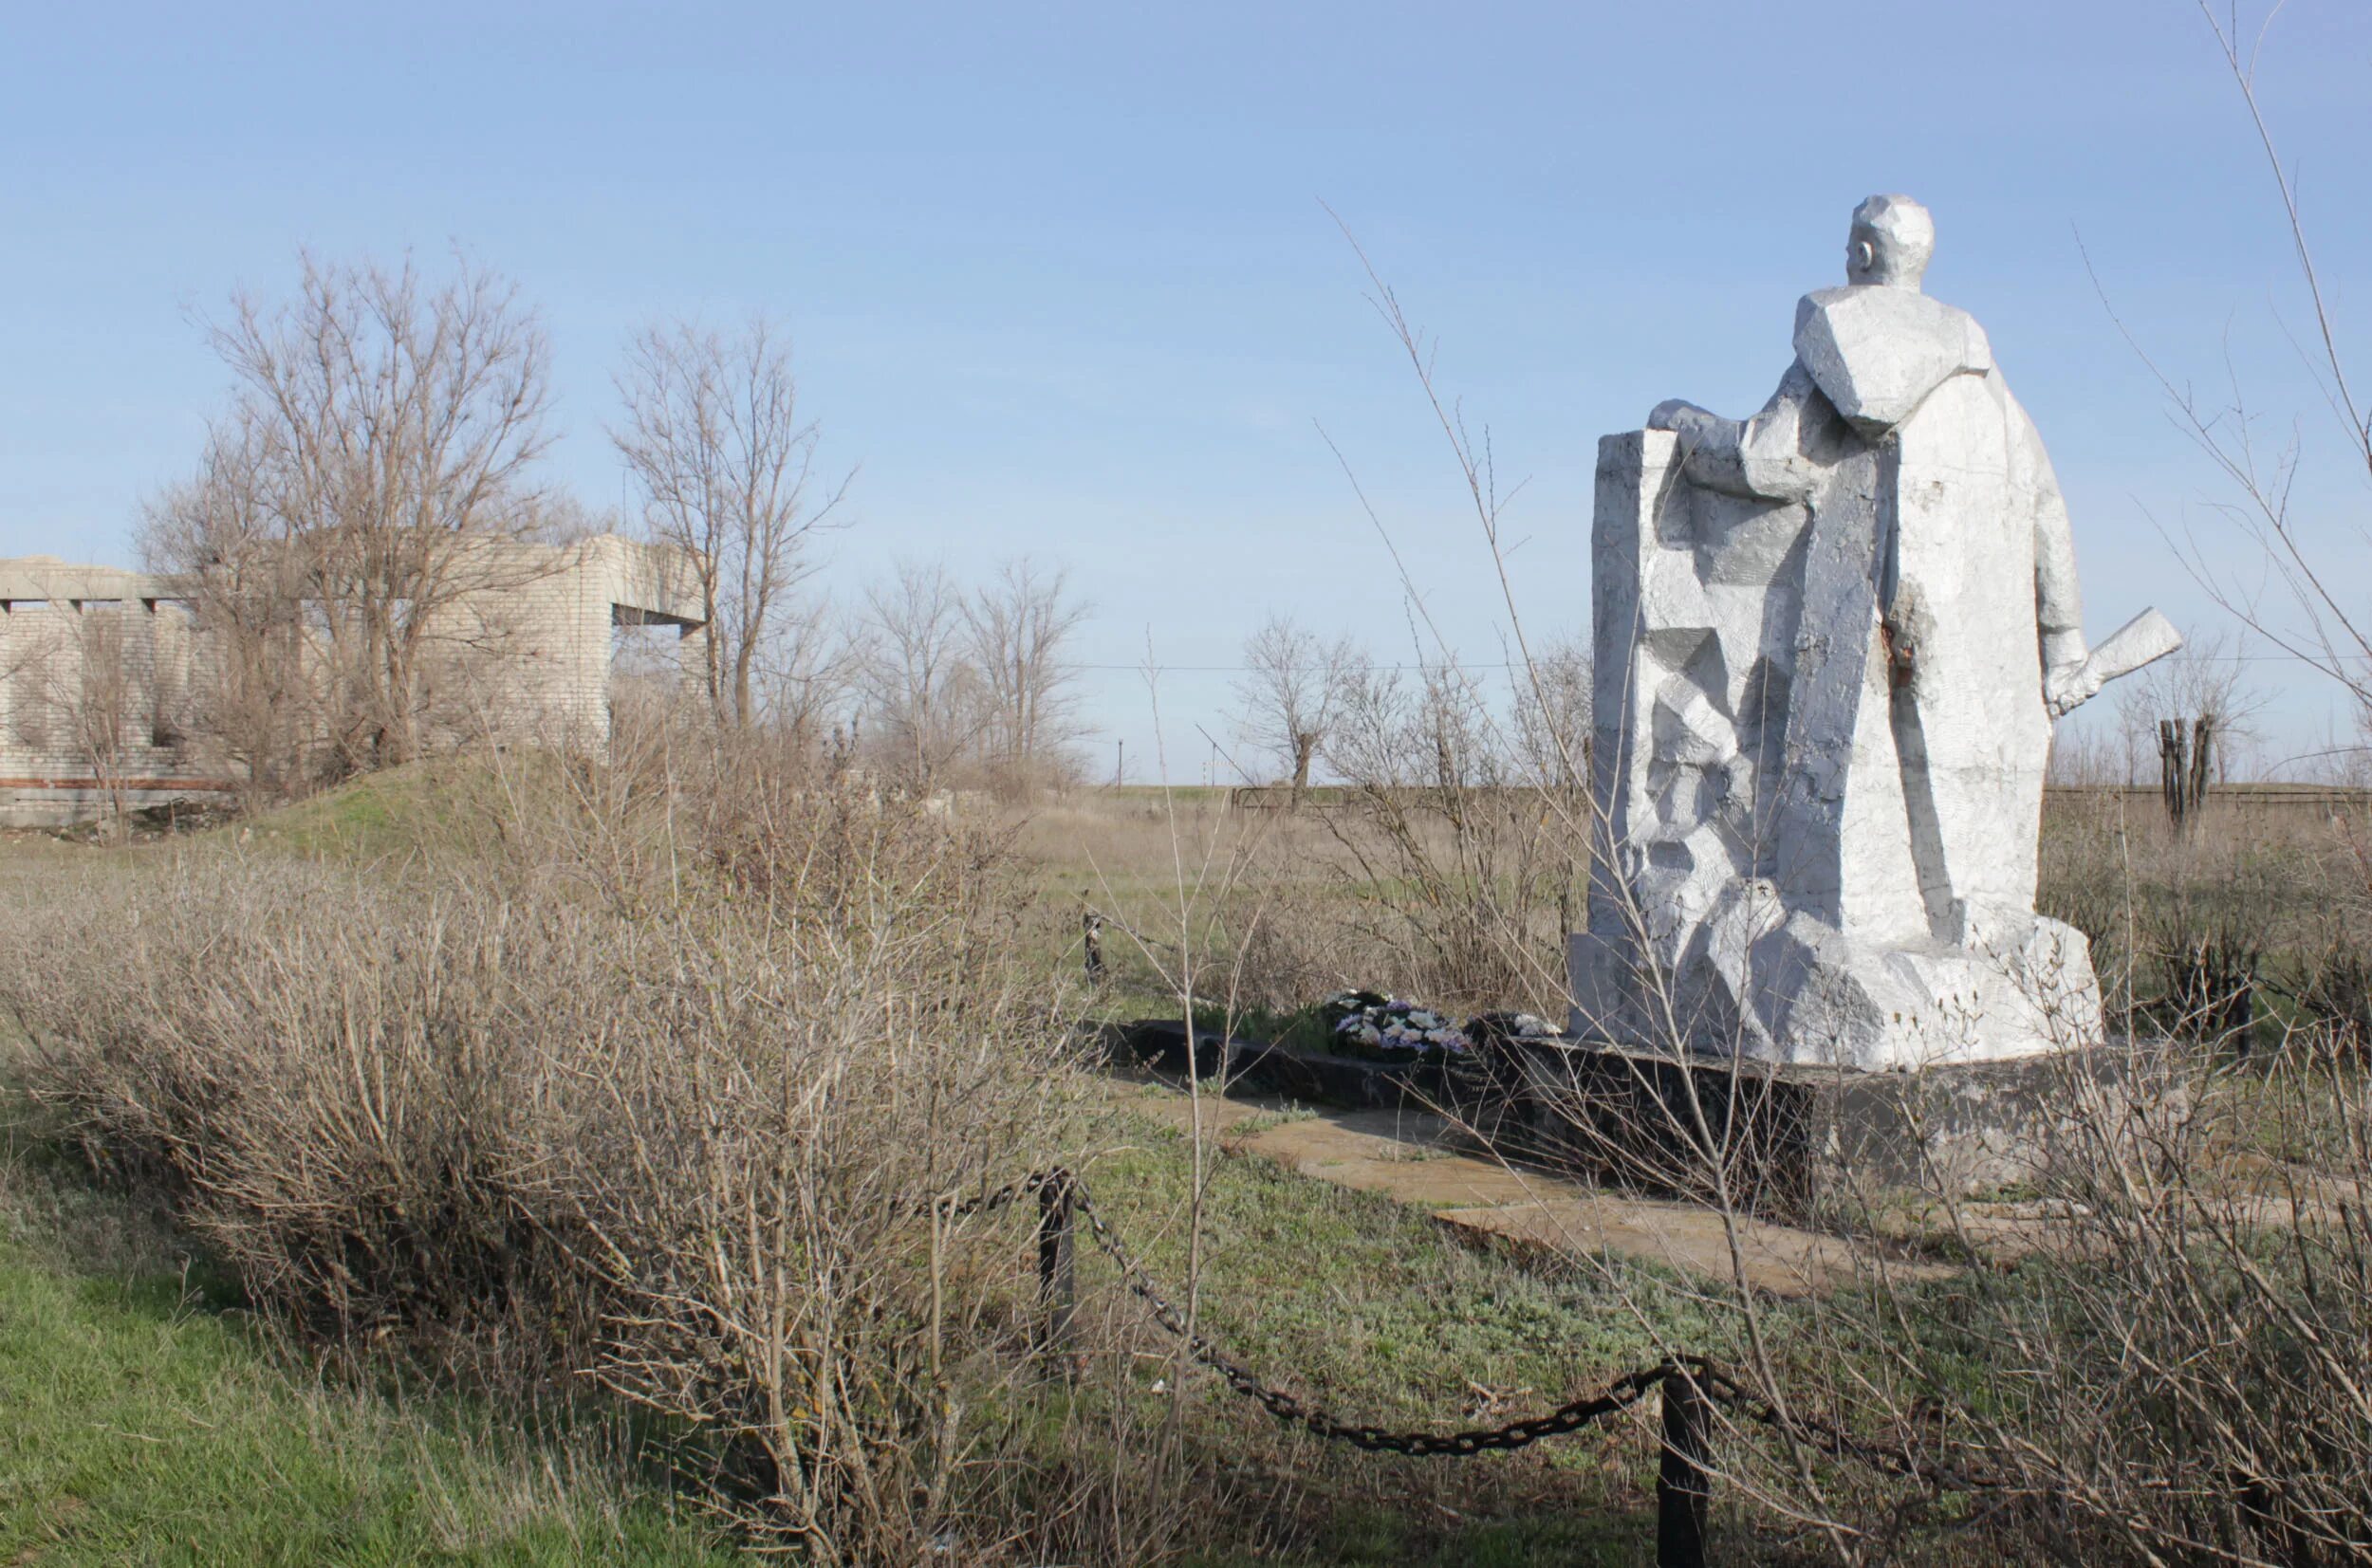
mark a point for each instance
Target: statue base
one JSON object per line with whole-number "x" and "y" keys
{"x": 1796, "y": 990}
{"x": 1802, "y": 1142}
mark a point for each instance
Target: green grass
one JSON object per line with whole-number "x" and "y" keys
{"x": 1378, "y": 1314}
{"x": 1374, "y": 1305}
{"x": 1376, "y": 1538}
{"x": 141, "y": 1423}
{"x": 379, "y": 816}
{"x": 142, "y": 1419}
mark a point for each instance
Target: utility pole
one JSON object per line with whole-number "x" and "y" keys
{"x": 1119, "y": 763}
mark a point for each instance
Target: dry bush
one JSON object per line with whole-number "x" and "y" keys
{"x": 2249, "y": 915}
{"x": 1311, "y": 942}
{"x": 2174, "y": 1372}
{"x": 2336, "y": 991}
{"x": 656, "y": 1088}
{"x": 2212, "y": 964}
{"x": 1463, "y": 858}
{"x": 2087, "y": 879}
{"x": 2154, "y": 1353}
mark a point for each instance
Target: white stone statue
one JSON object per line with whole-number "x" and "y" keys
{"x": 1832, "y": 640}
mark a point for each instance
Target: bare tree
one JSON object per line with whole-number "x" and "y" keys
{"x": 379, "y": 447}
{"x": 2328, "y": 626}
{"x": 23, "y": 703}
{"x": 255, "y": 696}
{"x": 2203, "y": 682}
{"x": 919, "y": 687}
{"x": 78, "y": 691}
{"x": 805, "y": 674}
{"x": 715, "y": 442}
{"x": 1293, "y": 687}
{"x": 102, "y": 699}
{"x": 1017, "y": 629}
{"x": 1552, "y": 715}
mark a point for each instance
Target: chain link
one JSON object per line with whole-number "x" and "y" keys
{"x": 1715, "y": 1382}
{"x": 1618, "y": 1396}
{"x": 951, "y": 1207}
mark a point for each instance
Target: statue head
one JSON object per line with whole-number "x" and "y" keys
{"x": 1892, "y": 238}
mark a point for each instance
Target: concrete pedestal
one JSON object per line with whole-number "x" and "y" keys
{"x": 1794, "y": 1140}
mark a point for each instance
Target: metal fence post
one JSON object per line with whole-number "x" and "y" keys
{"x": 1683, "y": 1488}
{"x": 1057, "y": 1298}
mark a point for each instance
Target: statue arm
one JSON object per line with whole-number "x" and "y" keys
{"x": 1709, "y": 444}
{"x": 2058, "y": 600}
{"x": 1761, "y": 458}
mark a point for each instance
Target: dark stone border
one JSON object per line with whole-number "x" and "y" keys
{"x": 1790, "y": 1137}
{"x": 1259, "y": 1067}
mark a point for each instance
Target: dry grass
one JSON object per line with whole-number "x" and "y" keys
{"x": 644, "y": 1081}
{"x": 1422, "y": 893}
{"x": 2254, "y": 913}
{"x": 668, "y": 1115}
{"x": 2169, "y": 1370}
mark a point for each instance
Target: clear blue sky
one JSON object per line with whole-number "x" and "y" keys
{"x": 1059, "y": 279}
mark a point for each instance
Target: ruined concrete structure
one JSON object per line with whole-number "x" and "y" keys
{"x": 104, "y": 672}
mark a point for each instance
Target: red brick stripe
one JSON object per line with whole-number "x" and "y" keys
{"x": 127, "y": 785}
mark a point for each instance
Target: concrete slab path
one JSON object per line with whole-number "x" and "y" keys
{"x": 1420, "y": 1159}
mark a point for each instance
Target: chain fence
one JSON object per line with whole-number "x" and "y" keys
{"x": 1692, "y": 1387}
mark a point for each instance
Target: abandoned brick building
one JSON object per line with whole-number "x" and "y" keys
{"x": 104, "y": 672}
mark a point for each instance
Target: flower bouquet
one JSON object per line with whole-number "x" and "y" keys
{"x": 1383, "y": 1028}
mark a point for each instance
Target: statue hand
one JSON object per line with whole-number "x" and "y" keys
{"x": 2068, "y": 687}
{"x": 1673, "y": 414}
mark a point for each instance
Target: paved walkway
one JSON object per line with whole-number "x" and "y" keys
{"x": 1417, "y": 1159}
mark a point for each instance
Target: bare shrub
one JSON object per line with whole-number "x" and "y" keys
{"x": 1461, "y": 870}
{"x": 674, "y": 1124}
{"x": 2175, "y": 1371}
{"x": 2336, "y": 993}
{"x": 1303, "y": 947}
{"x": 2212, "y": 964}
{"x": 2087, "y": 873}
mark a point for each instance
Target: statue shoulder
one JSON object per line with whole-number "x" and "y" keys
{"x": 1876, "y": 353}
